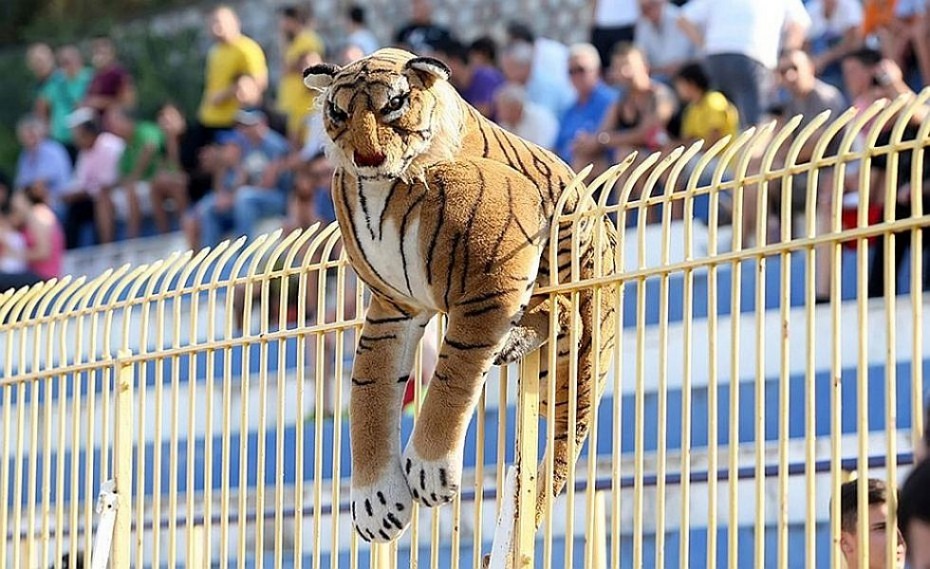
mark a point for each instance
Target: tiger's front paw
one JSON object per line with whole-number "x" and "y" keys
{"x": 432, "y": 482}
{"x": 381, "y": 512}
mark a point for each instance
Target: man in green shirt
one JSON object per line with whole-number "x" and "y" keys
{"x": 61, "y": 94}
{"x": 144, "y": 148}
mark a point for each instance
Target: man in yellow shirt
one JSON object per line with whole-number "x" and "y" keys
{"x": 302, "y": 48}
{"x": 707, "y": 116}
{"x": 236, "y": 74}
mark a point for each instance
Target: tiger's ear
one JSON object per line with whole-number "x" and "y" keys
{"x": 429, "y": 68}
{"x": 320, "y": 76}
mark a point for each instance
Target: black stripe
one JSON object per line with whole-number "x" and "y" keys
{"x": 381, "y": 338}
{"x": 464, "y": 346}
{"x": 451, "y": 268}
{"x": 363, "y": 383}
{"x": 488, "y": 296}
{"x": 403, "y": 237}
{"x": 387, "y": 203}
{"x": 364, "y": 203}
{"x": 393, "y": 519}
{"x": 387, "y": 320}
{"x": 481, "y": 311}
{"x": 469, "y": 225}
{"x": 435, "y": 239}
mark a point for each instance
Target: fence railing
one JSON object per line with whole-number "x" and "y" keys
{"x": 752, "y": 371}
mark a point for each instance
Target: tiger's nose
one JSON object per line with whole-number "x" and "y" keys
{"x": 368, "y": 160}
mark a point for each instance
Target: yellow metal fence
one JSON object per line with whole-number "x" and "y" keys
{"x": 212, "y": 388}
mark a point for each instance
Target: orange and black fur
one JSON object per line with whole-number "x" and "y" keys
{"x": 443, "y": 211}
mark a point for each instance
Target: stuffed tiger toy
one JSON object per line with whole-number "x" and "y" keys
{"x": 443, "y": 211}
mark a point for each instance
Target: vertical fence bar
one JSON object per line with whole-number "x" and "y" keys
{"x": 525, "y": 459}
{"x": 120, "y": 555}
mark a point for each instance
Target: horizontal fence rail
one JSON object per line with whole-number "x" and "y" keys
{"x": 765, "y": 342}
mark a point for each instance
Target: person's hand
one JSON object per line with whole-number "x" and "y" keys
{"x": 585, "y": 143}
{"x": 904, "y": 194}
{"x": 224, "y": 200}
{"x": 171, "y": 121}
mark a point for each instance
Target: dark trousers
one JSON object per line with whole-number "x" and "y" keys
{"x": 80, "y": 214}
{"x": 744, "y": 81}
{"x": 902, "y": 243}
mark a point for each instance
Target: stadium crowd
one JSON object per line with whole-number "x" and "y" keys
{"x": 656, "y": 74}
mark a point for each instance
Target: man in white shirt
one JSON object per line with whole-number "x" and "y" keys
{"x": 614, "y": 22}
{"x": 741, "y": 39}
{"x": 95, "y": 173}
{"x": 659, "y": 38}
{"x": 523, "y": 118}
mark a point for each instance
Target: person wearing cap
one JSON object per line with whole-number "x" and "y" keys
{"x": 96, "y": 171}
{"x": 253, "y": 184}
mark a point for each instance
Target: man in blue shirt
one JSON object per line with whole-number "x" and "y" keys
{"x": 43, "y": 164}
{"x": 254, "y": 184}
{"x": 593, "y": 99}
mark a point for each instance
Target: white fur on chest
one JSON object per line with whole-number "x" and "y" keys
{"x": 397, "y": 259}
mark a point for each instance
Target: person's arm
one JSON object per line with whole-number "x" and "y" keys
{"x": 144, "y": 160}
{"x": 271, "y": 174}
{"x": 797, "y": 22}
{"x": 852, "y": 39}
{"x": 691, "y": 30}
{"x": 640, "y": 135}
{"x": 41, "y": 231}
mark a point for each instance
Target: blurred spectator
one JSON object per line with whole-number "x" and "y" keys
{"x": 741, "y": 41}
{"x": 421, "y": 34}
{"x": 665, "y": 46}
{"x": 541, "y": 88}
{"x": 707, "y": 116}
{"x": 636, "y": 121}
{"x": 310, "y": 202}
{"x": 40, "y": 59}
{"x": 914, "y": 515}
{"x": 43, "y": 238}
{"x": 137, "y": 166}
{"x": 483, "y": 52}
{"x": 96, "y": 172}
{"x": 907, "y": 42}
{"x": 890, "y": 84}
{"x": 14, "y": 271}
{"x": 614, "y": 23}
{"x": 592, "y": 100}
{"x": 254, "y": 184}
{"x": 524, "y": 118}
{"x": 477, "y": 84}
{"x": 62, "y": 93}
{"x": 303, "y": 48}
{"x": 236, "y": 76}
{"x": 43, "y": 164}
{"x": 112, "y": 84}
{"x": 807, "y": 96}
{"x": 358, "y": 32}
{"x": 550, "y": 57}
{"x": 171, "y": 179}
{"x": 879, "y": 503}
{"x": 859, "y": 75}
{"x": 836, "y": 29}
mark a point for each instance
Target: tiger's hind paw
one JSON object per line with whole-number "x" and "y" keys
{"x": 381, "y": 512}
{"x": 432, "y": 482}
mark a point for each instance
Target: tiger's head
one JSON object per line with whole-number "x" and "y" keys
{"x": 388, "y": 115}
